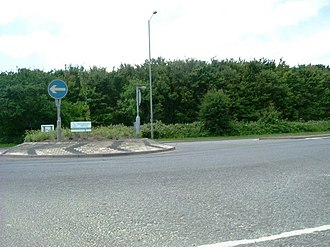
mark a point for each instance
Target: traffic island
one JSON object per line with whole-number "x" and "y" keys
{"x": 86, "y": 148}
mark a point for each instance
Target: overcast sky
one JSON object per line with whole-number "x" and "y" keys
{"x": 44, "y": 34}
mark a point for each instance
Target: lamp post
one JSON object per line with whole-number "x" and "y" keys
{"x": 138, "y": 102}
{"x": 150, "y": 80}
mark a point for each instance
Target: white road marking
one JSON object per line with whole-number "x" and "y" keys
{"x": 317, "y": 138}
{"x": 269, "y": 238}
{"x": 236, "y": 140}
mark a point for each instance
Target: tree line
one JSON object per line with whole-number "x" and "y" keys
{"x": 184, "y": 91}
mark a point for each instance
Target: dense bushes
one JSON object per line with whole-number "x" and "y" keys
{"x": 280, "y": 127}
{"x": 161, "y": 130}
{"x": 181, "y": 131}
{"x": 97, "y": 134}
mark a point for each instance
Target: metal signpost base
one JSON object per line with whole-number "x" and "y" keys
{"x": 59, "y": 122}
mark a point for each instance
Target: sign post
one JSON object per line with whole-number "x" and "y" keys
{"x": 57, "y": 89}
{"x": 138, "y": 102}
{"x": 59, "y": 121}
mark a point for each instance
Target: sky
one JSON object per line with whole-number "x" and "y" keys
{"x": 47, "y": 35}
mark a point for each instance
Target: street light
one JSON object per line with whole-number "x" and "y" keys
{"x": 150, "y": 79}
{"x": 138, "y": 102}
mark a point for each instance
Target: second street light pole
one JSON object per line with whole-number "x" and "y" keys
{"x": 150, "y": 80}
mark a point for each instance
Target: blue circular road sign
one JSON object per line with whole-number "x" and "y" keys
{"x": 57, "y": 89}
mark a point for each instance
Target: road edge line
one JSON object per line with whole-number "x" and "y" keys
{"x": 269, "y": 238}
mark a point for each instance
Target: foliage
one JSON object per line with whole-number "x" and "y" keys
{"x": 261, "y": 91}
{"x": 98, "y": 133}
{"x": 181, "y": 131}
{"x": 269, "y": 115}
{"x": 214, "y": 112}
{"x": 37, "y": 136}
{"x": 279, "y": 127}
{"x": 112, "y": 132}
{"x": 23, "y": 103}
{"x": 186, "y": 130}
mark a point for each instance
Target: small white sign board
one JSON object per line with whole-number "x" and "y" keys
{"x": 47, "y": 127}
{"x": 85, "y": 126}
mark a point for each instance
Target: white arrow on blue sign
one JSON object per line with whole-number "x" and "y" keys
{"x": 57, "y": 89}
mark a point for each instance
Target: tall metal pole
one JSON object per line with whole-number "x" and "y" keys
{"x": 150, "y": 80}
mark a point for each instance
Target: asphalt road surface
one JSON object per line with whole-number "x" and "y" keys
{"x": 248, "y": 192}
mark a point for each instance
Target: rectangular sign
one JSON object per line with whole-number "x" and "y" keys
{"x": 85, "y": 126}
{"x": 47, "y": 127}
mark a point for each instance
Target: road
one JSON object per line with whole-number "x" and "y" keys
{"x": 202, "y": 193}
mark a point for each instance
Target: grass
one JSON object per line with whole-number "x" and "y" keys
{"x": 7, "y": 145}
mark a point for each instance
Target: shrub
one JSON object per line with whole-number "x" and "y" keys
{"x": 186, "y": 130}
{"x": 97, "y": 133}
{"x": 38, "y": 136}
{"x": 278, "y": 127}
{"x": 214, "y": 113}
{"x": 269, "y": 115}
{"x": 112, "y": 132}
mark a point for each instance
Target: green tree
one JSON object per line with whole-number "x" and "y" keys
{"x": 24, "y": 103}
{"x": 214, "y": 112}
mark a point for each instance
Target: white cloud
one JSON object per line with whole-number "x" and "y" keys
{"x": 107, "y": 33}
{"x": 293, "y": 12}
